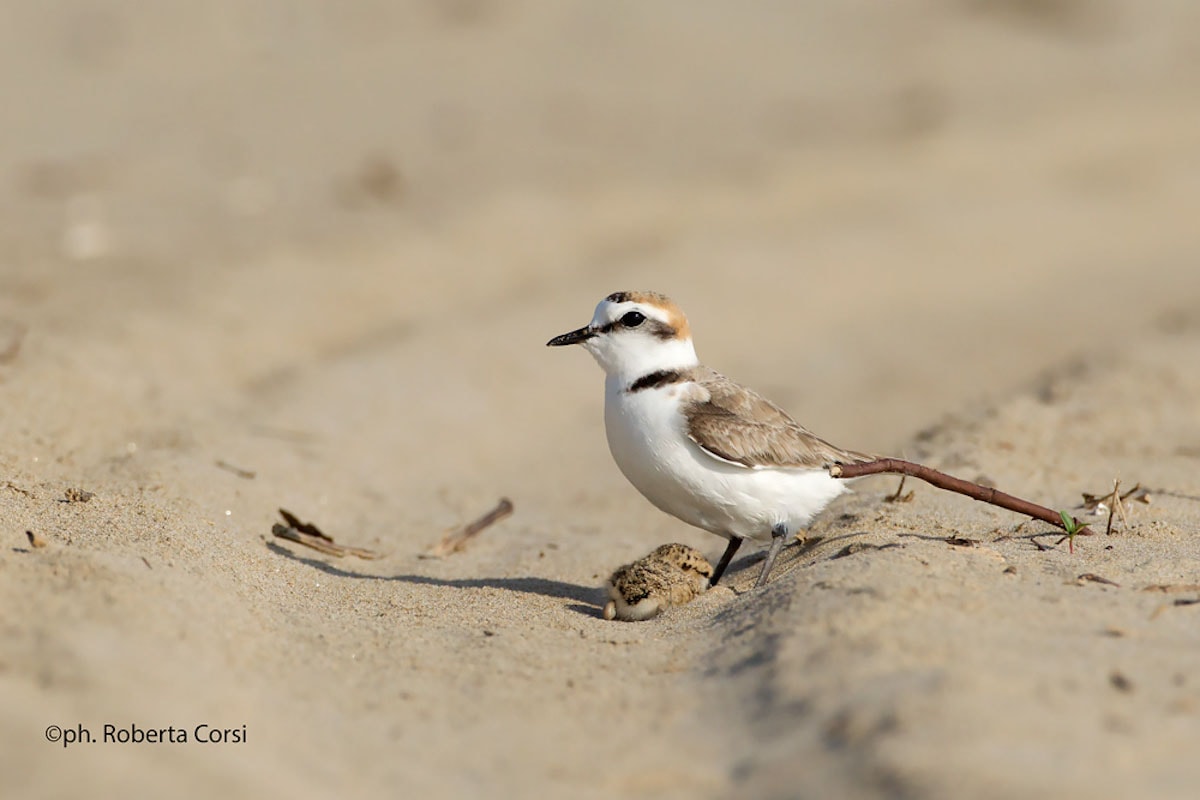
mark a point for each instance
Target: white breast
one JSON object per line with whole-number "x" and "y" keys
{"x": 647, "y": 438}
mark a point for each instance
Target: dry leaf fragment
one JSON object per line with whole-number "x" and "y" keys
{"x": 1113, "y": 502}
{"x": 74, "y": 495}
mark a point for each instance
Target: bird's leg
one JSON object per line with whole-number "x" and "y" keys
{"x": 779, "y": 535}
{"x": 734, "y": 543}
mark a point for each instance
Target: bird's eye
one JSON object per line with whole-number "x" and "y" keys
{"x": 633, "y": 319}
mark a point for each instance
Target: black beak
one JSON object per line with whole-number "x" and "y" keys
{"x": 573, "y": 337}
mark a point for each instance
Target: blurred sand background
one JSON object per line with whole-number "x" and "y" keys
{"x": 326, "y": 243}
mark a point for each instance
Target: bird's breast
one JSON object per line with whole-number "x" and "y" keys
{"x": 642, "y": 428}
{"x": 647, "y": 439}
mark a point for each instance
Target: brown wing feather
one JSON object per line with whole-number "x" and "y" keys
{"x": 735, "y": 424}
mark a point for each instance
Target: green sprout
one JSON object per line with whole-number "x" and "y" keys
{"x": 1072, "y": 527}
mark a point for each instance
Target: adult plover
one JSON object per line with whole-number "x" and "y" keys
{"x": 697, "y": 445}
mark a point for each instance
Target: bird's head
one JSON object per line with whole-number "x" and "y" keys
{"x": 633, "y": 334}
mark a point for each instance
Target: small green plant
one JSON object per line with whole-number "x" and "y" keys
{"x": 1072, "y": 527}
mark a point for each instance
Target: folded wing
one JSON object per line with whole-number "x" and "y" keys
{"x": 737, "y": 425}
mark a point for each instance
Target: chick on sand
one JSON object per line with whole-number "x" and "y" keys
{"x": 672, "y": 575}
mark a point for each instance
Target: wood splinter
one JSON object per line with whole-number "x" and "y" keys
{"x": 941, "y": 480}
{"x": 455, "y": 541}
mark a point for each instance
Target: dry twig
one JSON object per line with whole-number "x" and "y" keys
{"x": 456, "y": 541}
{"x": 1091, "y": 577}
{"x": 899, "y": 496}
{"x": 248, "y": 474}
{"x": 1092, "y": 502}
{"x": 1114, "y": 503}
{"x": 941, "y": 480}
{"x": 310, "y": 535}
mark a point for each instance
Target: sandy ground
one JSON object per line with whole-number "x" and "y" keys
{"x": 325, "y": 244}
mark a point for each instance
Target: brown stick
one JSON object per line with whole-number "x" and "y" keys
{"x": 457, "y": 540}
{"x": 310, "y": 535}
{"x": 950, "y": 483}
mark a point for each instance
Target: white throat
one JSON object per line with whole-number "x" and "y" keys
{"x": 626, "y": 361}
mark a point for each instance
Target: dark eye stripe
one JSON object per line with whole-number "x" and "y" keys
{"x": 654, "y": 327}
{"x": 660, "y": 330}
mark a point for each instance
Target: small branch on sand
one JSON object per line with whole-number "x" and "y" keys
{"x": 310, "y": 535}
{"x": 248, "y": 474}
{"x": 899, "y": 496}
{"x": 1114, "y": 503}
{"x": 941, "y": 480}
{"x": 457, "y": 540}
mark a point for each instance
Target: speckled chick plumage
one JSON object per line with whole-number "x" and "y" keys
{"x": 672, "y": 575}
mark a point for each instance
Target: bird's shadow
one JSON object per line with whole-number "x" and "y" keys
{"x": 588, "y": 600}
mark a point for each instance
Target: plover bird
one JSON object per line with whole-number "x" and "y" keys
{"x": 697, "y": 445}
{"x": 672, "y": 575}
